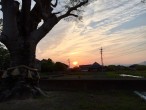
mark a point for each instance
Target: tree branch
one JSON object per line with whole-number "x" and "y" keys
{"x": 54, "y": 5}
{"x": 26, "y": 6}
{"x": 68, "y": 13}
{"x": 73, "y": 15}
{"x": 38, "y": 34}
{"x": 9, "y": 9}
{"x": 25, "y": 16}
{"x": 35, "y": 20}
{"x": 45, "y": 8}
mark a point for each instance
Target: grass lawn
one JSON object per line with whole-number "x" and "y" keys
{"x": 89, "y": 100}
{"x": 95, "y": 75}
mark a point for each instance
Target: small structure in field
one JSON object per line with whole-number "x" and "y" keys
{"x": 90, "y": 67}
{"x": 84, "y": 67}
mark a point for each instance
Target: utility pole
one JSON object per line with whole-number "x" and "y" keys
{"x": 101, "y": 50}
{"x": 68, "y": 63}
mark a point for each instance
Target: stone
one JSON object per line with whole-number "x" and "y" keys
{"x": 5, "y": 75}
{"x": 20, "y": 82}
{"x": 15, "y": 72}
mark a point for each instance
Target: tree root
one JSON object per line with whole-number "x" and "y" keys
{"x": 20, "y": 82}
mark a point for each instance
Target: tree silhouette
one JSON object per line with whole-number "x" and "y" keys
{"x": 47, "y": 65}
{"x": 21, "y": 33}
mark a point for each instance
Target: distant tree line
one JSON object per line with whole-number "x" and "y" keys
{"x": 133, "y": 67}
{"x": 47, "y": 65}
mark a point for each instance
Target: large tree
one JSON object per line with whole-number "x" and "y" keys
{"x": 21, "y": 32}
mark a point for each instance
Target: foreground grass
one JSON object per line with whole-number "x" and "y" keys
{"x": 91, "y": 100}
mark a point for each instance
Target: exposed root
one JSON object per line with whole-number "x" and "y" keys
{"x": 20, "y": 82}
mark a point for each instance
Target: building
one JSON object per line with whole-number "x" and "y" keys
{"x": 91, "y": 67}
{"x": 84, "y": 67}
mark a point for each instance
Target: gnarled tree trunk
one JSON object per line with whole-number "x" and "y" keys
{"x": 20, "y": 35}
{"x": 23, "y": 54}
{"x": 21, "y": 80}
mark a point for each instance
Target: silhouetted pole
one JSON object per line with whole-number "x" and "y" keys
{"x": 68, "y": 62}
{"x": 101, "y": 50}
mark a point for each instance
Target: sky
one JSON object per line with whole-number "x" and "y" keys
{"x": 118, "y": 26}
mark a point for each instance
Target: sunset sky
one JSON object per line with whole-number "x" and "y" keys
{"x": 119, "y": 26}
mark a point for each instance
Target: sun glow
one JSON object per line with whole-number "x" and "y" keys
{"x": 75, "y": 63}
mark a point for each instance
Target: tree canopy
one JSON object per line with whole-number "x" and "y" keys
{"x": 50, "y": 66}
{"x": 25, "y": 16}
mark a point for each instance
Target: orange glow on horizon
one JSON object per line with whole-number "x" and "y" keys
{"x": 75, "y": 63}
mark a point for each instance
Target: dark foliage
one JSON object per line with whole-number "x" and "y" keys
{"x": 60, "y": 66}
{"x": 49, "y": 66}
{"x": 138, "y": 67}
{"x": 4, "y": 58}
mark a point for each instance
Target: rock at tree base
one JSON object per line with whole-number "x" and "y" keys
{"x": 20, "y": 82}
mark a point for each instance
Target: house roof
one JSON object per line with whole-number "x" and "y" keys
{"x": 95, "y": 65}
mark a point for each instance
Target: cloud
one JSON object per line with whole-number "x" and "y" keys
{"x": 117, "y": 25}
{"x": 134, "y": 23}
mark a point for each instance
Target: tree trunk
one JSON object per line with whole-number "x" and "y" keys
{"x": 24, "y": 54}
{"x": 21, "y": 80}
{"x": 20, "y": 35}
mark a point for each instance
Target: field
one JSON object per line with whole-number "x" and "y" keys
{"x": 84, "y": 99}
{"x": 89, "y": 100}
{"x": 94, "y": 75}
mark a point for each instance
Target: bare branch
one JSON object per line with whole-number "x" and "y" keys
{"x": 68, "y": 13}
{"x": 38, "y": 34}
{"x": 51, "y": 20}
{"x": 25, "y": 16}
{"x": 38, "y": 3}
{"x": 56, "y": 13}
{"x": 46, "y": 8}
{"x": 73, "y": 15}
{"x": 9, "y": 9}
{"x": 35, "y": 20}
{"x": 26, "y": 6}
{"x": 54, "y": 5}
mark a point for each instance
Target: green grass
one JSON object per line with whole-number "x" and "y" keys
{"x": 89, "y": 100}
{"x": 96, "y": 75}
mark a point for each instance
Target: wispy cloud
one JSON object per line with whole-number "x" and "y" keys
{"x": 117, "y": 25}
